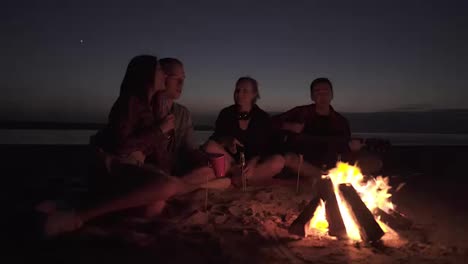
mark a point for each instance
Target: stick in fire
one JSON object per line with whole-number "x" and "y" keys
{"x": 368, "y": 228}
{"x": 298, "y": 227}
{"x": 335, "y": 221}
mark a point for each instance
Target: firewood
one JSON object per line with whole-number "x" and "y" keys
{"x": 369, "y": 229}
{"x": 336, "y": 225}
{"x": 299, "y": 225}
{"x": 394, "y": 219}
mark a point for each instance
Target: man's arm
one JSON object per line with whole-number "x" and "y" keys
{"x": 292, "y": 120}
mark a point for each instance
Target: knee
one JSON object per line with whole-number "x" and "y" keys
{"x": 290, "y": 159}
{"x": 172, "y": 185}
{"x": 277, "y": 163}
{"x": 155, "y": 209}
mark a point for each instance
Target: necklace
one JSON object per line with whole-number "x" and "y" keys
{"x": 243, "y": 115}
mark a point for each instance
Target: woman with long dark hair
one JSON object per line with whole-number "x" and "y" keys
{"x": 125, "y": 180}
{"x": 245, "y": 128}
{"x": 131, "y": 132}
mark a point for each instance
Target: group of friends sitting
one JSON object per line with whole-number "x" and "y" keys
{"x": 146, "y": 154}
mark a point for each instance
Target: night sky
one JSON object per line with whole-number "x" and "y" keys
{"x": 64, "y": 60}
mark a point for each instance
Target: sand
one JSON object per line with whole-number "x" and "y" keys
{"x": 238, "y": 227}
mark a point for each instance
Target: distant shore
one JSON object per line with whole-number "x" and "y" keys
{"x": 454, "y": 121}
{"x": 69, "y": 126}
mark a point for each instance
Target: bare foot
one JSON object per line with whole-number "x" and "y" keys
{"x": 155, "y": 209}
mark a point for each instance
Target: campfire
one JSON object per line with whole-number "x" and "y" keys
{"x": 349, "y": 205}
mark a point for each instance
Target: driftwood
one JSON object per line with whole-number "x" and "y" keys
{"x": 336, "y": 225}
{"x": 394, "y": 219}
{"x": 299, "y": 225}
{"x": 369, "y": 229}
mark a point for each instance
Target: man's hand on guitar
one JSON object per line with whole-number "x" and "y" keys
{"x": 296, "y": 128}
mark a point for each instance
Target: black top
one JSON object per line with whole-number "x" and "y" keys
{"x": 257, "y": 138}
{"x": 321, "y": 126}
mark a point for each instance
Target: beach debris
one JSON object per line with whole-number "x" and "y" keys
{"x": 263, "y": 196}
{"x": 401, "y": 185}
{"x": 235, "y": 210}
{"x": 197, "y": 218}
{"x": 220, "y": 219}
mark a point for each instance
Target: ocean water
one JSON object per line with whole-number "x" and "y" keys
{"x": 81, "y": 137}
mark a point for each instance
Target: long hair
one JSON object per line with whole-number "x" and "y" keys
{"x": 139, "y": 76}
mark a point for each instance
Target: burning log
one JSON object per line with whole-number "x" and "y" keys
{"x": 394, "y": 219}
{"x": 369, "y": 229}
{"x": 335, "y": 221}
{"x": 299, "y": 225}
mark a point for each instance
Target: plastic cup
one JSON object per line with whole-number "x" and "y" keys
{"x": 218, "y": 163}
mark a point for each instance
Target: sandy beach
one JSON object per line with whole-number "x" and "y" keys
{"x": 237, "y": 227}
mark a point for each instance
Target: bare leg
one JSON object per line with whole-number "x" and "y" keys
{"x": 158, "y": 190}
{"x": 154, "y": 192}
{"x": 309, "y": 174}
{"x": 199, "y": 176}
{"x": 263, "y": 172}
{"x": 308, "y": 170}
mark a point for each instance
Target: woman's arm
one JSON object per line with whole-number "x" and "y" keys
{"x": 129, "y": 137}
{"x": 223, "y": 128}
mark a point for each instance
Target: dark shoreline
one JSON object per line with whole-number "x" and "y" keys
{"x": 70, "y": 126}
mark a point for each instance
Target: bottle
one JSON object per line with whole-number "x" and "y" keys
{"x": 242, "y": 163}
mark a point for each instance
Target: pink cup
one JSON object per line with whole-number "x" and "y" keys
{"x": 218, "y": 163}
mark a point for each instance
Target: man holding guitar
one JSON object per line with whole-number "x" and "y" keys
{"x": 321, "y": 135}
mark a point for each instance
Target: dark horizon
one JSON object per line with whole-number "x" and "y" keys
{"x": 443, "y": 121}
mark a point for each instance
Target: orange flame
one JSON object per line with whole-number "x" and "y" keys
{"x": 319, "y": 220}
{"x": 374, "y": 193}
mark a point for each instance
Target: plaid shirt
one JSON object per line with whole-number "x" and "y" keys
{"x": 323, "y": 137}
